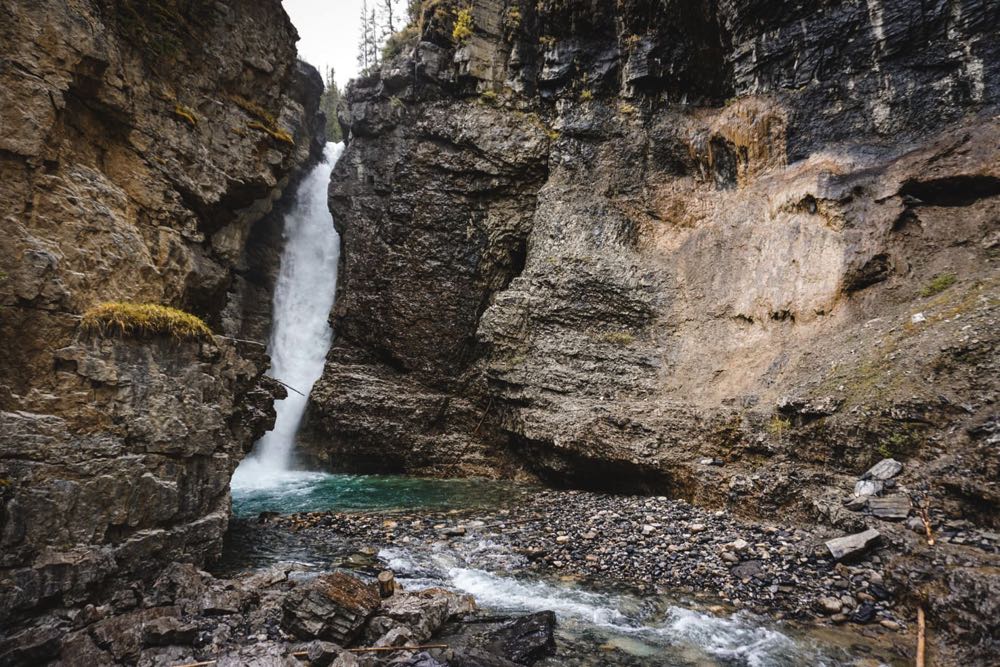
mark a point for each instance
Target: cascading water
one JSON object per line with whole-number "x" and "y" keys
{"x": 300, "y": 333}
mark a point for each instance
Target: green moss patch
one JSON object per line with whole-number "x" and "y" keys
{"x": 939, "y": 284}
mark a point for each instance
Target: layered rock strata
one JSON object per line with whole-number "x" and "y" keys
{"x": 649, "y": 237}
{"x": 142, "y": 146}
{"x": 731, "y": 252}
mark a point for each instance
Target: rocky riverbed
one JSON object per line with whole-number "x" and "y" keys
{"x": 651, "y": 543}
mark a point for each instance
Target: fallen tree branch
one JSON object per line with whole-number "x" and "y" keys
{"x": 511, "y": 523}
{"x": 288, "y": 386}
{"x": 925, "y": 517}
{"x": 370, "y": 649}
{"x": 241, "y": 340}
{"x": 921, "y": 636}
{"x": 386, "y": 649}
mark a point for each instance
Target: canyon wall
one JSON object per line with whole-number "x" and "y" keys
{"x": 733, "y": 252}
{"x": 142, "y": 147}
{"x": 647, "y": 234}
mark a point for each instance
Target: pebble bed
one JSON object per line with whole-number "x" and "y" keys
{"x": 650, "y": 543}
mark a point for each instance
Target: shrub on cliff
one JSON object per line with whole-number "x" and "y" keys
{"x": 143, "y": 319}
{"x": 463, "y": 26}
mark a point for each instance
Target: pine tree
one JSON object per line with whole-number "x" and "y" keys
{"x": 389, "y": 25}
{"x": 329, "y": 104}
{"x": 363, "y": 50}
{"x": 373, "y": 39}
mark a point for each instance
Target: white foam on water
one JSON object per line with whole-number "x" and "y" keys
{"x": 300, "y": 334}
{"x": 737, "y": 639}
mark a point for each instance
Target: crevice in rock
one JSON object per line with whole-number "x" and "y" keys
{"x": 563, "y": 468}
{"x": 951, "y": 191}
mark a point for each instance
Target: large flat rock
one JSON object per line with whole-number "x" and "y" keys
{"x": 853, "y": 546}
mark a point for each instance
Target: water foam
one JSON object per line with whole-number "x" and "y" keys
{"x": 301, "y": 334}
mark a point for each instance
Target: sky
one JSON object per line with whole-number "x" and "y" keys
{"x": 328, "y": 34}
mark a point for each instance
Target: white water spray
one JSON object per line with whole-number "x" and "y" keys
{"x": 300, "y": 331}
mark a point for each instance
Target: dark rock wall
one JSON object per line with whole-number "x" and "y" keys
{"x": 635, "y": 236}
{"x": 141, "y": 147}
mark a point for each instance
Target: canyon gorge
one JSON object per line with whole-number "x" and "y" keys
{"x": 729, "y": 254}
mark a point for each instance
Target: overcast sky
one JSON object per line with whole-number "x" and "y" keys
{"x": 328, "y": 33}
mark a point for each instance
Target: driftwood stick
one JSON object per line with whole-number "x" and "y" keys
{"x": 288, "y": 386}
{"x": 387, "y": 649}
{"x": 925, "y": 517}
{"x": 921, "y": 636}
{"x": 240, "y": 340}
{"x": 483, "y": 418}
{"x": 511, "y": 523}
{"x": 386, "y": 583}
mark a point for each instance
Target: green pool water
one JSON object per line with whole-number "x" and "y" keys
{"x": 316, "y": 492}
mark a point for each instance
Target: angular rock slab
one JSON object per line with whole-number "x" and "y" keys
{"x": 331, "y": 607}
{"x": 894, "y": 508}
{"x": 853, "y": 546}
{"x": 883, "y": 470}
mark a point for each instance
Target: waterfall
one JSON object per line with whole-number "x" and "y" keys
{"x": 300, "y": 330}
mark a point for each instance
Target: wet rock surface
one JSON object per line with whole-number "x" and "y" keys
{"x": 331, "y": 607}
{"x": 267, "y": 616}
{"x": 656, "y": 545}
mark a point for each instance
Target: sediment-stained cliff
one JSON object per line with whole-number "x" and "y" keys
{"x": 141, "y": 145}
{"x": 647, "y": 233}
{"x": 733, "y": 251}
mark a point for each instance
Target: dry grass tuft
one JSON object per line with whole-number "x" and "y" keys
{"x": 185, "y": 114}
{"x": 143, "y": 319}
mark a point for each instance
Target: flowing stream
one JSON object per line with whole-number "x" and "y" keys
{"x": 600, "y": 624}
{"x": 300, "y": 332}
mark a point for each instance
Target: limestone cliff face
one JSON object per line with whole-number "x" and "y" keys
{"x": 610, "y": 242}
{"x": 141, "y": 145}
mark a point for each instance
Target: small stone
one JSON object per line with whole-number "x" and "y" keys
{"x": 648, "y": 529}
{"x": 864, "y": 614}
{"x": 889, "y": 624}
{"x": 883, "y": 470}
{"x": 893, "y": 507}
{"x": 740, "y": 545}
{"x": 696, "y": 527}
{"x": 828, "y": 605}
{"x": 917, "y": 318}
{"x": 730, "y": 557}
{"x": 562, "y": 539}
{"x": 867, "y": 487}
{"x": 856, "y": 503}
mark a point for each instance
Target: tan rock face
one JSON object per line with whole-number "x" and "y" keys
{"x": 717, "y": 245}
{"x": 139, "y": 150}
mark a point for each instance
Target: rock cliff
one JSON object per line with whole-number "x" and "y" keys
{"x": 645, "y": 234}
{"x": 142, "y": 147}
{"x": 734, "y": 252}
